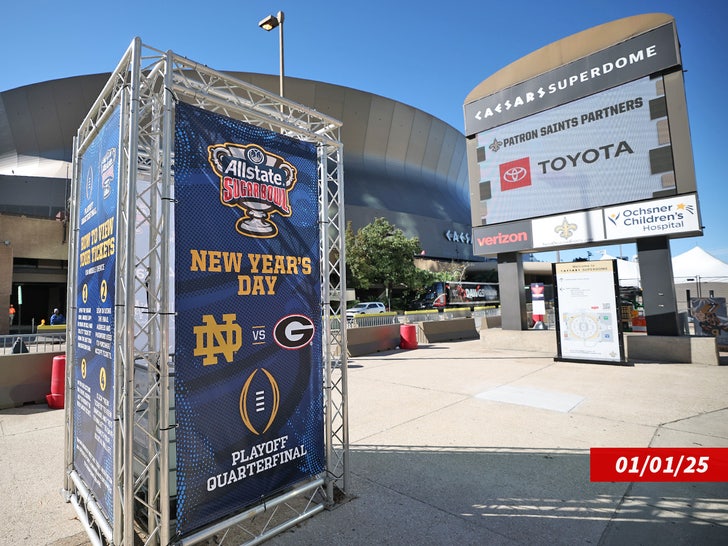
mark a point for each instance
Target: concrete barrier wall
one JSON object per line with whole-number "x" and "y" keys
{"x": 542, "y": 341}
{"x": 490, "y": 322}
{"x": 638, "y": 347}
{"x": 687, "y": 349}
{"x": 25, "y": 378}
{"x": 449, "y": 330}
{"x": 372, "y": 339}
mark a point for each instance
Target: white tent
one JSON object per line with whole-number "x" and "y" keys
{"x": 699, "y": 266}
{"x": 628, "y": 272}
{"x": 695, "y": 265}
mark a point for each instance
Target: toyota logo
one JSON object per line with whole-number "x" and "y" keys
{"x": 515, "y": 174}
{"x": 293, "y": 332}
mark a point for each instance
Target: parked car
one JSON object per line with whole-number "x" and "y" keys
{"x": 365, "y": 308}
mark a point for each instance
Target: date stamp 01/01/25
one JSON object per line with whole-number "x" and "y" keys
{"x": 658, "y": 464}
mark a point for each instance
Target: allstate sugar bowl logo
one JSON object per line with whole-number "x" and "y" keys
{"x": 257, "y": 182}
{"x": 108, "y": 168}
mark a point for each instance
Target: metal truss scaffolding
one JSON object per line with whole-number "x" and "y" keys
{"x": 145, "y": 86}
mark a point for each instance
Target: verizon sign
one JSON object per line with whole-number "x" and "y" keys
{"x": 516, "y": 236}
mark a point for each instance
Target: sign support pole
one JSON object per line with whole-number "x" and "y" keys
{"x": 660, "y": 302}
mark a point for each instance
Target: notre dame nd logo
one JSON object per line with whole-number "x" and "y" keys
{"x": 213, "y": 339}
{"x": 256, "y": 181}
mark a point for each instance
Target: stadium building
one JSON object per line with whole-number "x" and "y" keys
{"x": 400, "y": 163}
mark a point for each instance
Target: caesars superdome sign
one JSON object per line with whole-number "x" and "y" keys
{"x": 647, "y": 53}
{"x": 554, "y": 158}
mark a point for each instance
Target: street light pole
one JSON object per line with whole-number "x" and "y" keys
{"x": 268, "y": 24}
{"x": 280, "y": 48}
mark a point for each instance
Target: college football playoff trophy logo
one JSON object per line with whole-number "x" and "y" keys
{"x": 256, "y": 181}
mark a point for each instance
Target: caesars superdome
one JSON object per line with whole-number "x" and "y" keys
{"x": 400, "y": 163}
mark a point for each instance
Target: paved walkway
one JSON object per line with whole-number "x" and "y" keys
{"x": 456, "y": 443}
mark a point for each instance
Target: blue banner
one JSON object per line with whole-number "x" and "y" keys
{"x": 93, "y": 395}
{"x": 248, "y": 365}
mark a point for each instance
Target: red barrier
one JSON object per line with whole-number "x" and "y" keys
{"x": 56, "y": 399}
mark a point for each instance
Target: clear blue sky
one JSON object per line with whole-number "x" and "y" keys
{"x": 426, "y": 54}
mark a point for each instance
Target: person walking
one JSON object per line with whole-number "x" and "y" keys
{"x": 11, "y": 312}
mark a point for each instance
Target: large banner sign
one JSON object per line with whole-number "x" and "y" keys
{"x": 93, "y": 404}
{"x": 587, "y": 311}
{"x": 609, "y": 148}
{"x": 248, "y": 364}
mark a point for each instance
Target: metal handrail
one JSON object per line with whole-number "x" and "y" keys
{"x": 51, "y": 342}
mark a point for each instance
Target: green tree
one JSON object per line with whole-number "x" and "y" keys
{"x": 380, "y": 258}
{"x": 451, "y": 272}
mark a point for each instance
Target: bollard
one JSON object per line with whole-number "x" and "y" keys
{"x": 408, "y": 336}
{"x": 56, "y": 399}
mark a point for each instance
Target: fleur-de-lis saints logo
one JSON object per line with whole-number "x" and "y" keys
{"x": 496, "y": 145}
{"x": 565, "y": 229}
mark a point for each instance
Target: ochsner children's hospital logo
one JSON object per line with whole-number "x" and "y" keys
{"x": 255, "y": 181}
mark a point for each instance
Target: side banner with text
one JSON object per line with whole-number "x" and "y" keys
{"x": 93, "y": 404}
{"x": 248, "y": 365}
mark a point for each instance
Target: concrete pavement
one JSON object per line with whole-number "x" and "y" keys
{"x": 459, "y": 443}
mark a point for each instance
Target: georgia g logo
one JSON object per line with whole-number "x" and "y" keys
{"x": 293, "y": 332}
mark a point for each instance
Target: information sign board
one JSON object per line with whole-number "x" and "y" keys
{"x": 587, "y": 307}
